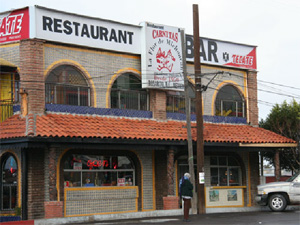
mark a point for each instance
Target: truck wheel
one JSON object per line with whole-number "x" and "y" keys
{"x": 277, "y": 203}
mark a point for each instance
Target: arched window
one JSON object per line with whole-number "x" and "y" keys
{"x": 127, "y": 93}
{"x": 9, "y": 182}
{"x": 98, "y": 170}
{"x": 225, "y": 171}
{"x": 176, "y": 101}
{"x": 66, "y": 85}
{"x": 229, "y": 102}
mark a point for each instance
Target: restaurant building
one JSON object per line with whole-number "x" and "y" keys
{"x": 93, "y": 116}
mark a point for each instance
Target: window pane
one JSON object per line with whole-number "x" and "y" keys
{"x": 213, "y": 160}
{"x": 240, "y": 109}
{"x": 234, "y": 177}
{"x": 232, "y": 162}
{"x": 223, "y": 177}
{"x": 214, "y": 177}
{"x": 114, "y": 98}
{"x": 72, "y": 179}
{"x": 222, "y": 161}
{"x": 229, "y": 108}
{"x": 125, "y": 179}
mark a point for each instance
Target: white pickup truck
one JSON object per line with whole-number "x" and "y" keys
{"x": 277, "y": 195}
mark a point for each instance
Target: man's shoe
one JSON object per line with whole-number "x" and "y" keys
{"x": 187, "y": 220}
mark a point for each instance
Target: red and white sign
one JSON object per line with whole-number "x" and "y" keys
{"x": 162, "y": 65}
{"x": 121, "y": 181}
{"x": 14, "y": 25}
{"x": 222, "y": 53}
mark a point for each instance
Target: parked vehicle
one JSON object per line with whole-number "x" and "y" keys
{"x": 277, "y": 195}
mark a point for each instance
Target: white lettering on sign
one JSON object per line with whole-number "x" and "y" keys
{"x": 11, "y": 25}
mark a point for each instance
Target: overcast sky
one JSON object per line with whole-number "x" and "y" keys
{"x": 272, "y": 25}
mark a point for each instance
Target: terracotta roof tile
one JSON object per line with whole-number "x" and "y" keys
{"x": 71, "y": 125}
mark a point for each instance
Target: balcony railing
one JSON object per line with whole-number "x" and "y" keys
{"x": 6, "y": 109}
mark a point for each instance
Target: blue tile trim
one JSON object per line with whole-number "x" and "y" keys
{"x": 210, "y": 119}
{"x": 16, "y": 108}
{"x": 98, "y": 111}
{"x": 133, "y": 113}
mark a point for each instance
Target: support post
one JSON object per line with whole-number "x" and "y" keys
{"x": 199, "y": 116}
{"x": 277, "y": 165}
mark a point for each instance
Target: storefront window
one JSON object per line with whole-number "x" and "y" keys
{"x": 224, "y": 171}
{"x": 229, "y": 102}
{"x": 94, "y": 170}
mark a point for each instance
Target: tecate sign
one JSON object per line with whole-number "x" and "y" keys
{"x": 70, "y": 28}
{"x": 14, "y": 25}
{"x": 222, "y": 53}
{"x": 162, "y": 63}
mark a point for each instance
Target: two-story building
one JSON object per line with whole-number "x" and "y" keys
{"x": 93, "y": 116}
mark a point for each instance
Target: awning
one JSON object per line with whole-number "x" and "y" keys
{"x": 6, "y": 66}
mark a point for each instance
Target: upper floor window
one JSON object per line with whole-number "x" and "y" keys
{"x": 229, "y": 102}
{"x": 176, "y": 101}
{"x": 66, "y": 85}
{"x": 127, "y": 93}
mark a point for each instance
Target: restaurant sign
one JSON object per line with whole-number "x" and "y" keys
{"x": 14, "y": 26}
{"x": 162, "y": 63}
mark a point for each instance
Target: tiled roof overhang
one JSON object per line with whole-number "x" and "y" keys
{"x": 66, "y": 126}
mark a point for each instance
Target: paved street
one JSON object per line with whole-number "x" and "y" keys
{"x": 245, "y": 218}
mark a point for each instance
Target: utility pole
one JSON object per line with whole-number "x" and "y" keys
{"x": 188, "y": 123}
{"x": 199, "y": 116}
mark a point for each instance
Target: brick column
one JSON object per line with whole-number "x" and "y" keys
{"x": 52, "y": 175}
{"x": 32, "y": 74}
{"x": 171, "y": 201}
{"x": 53, "y": 208}
{"x": 158, "y": 101}
{"x": 252, "y": 98}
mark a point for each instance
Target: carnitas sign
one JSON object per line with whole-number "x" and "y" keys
{"x": 14, "y": 25}
{"x": 162, "y": 63}
{"x": 222, "y": 53}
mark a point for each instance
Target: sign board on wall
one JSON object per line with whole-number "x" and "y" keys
{"x": 14, "y": 26}
{"x": 48, "y": 24}
{"x": 70, "y": 28}
{"x": 222, "y": 53}
{"x": 162, "y": 64}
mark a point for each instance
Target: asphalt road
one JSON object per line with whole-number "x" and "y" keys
{"x": 245, "y": 218}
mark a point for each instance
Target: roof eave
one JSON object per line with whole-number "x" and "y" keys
{"x": 269, "y": 145}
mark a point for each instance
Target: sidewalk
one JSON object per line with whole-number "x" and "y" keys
{"x": 157, "y": 216}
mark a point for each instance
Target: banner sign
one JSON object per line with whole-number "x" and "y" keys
{"x": 14, "y": 26}
{"x": 222, "y": 53}
{"x": 158, "y": 45}
{"x": 92, "y": 32}
{"x": 162, "y": 64}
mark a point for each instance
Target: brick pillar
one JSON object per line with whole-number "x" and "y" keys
{"x": 252, "y": 98}
{"x": 52, "y": 175}
{"x": 158, "y": 104}
{"x": 53, "y": 208}
{"x": 170, "y": 172}
{"x": 171, "y": 201}
{"x": 32, "y": 74}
